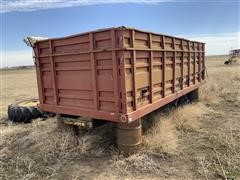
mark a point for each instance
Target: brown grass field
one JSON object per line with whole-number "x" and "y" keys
{"x": 194, "y": 141}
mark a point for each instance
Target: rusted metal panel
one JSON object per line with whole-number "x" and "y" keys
{"x": 117, "y": 74}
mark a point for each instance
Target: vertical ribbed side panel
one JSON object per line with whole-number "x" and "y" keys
{"x": 115, "y": 71}
{"x": 158, "y": 66}
{"x": 93, "y": 72}
{"x": 151, "y": 69}
{"x": 112, "y": 73}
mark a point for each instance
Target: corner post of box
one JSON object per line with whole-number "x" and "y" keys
{"x": 163, "y": 68}
{"x": 182, "y": 65}
{"x": 53, "y": 72}
{"x": 122, "y": 73}
{"x": 39, "y": 74}
{"x": 194, "y": 62}
{"x": 115, "y": 71}
{"x": 134, "y": 70}
{"x": 94, "y": 76}
{"x": 189, "y": 63}
{"x": 174, "y": 65}
{"x": 151, "y": 68}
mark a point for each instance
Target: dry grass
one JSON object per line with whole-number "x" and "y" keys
{"x": 223, "y": 156}
{"x": 16, "y": 85}
{"x": 203, "y": 135}
{"x": 163, "y": 137}
{"x": 221, "y": 84}
{"x": 31, "y": 151}
{"x": 221, "y": 147}
{"x": 131, "y": 165}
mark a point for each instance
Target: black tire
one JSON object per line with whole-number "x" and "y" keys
{"x": 19, "y": 113}
{"x": 97, "y": 122}
{"x": 183, "y": 100}
{"x": 193, "y": 95}
{"x": 226, "y": 62}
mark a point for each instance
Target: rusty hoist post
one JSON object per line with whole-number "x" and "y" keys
{"x": 129, "y": 136}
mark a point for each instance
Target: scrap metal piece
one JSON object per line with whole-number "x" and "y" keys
{"x": 31, "y": 40}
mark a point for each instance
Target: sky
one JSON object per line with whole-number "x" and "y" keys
{"x": 214, "y": 22}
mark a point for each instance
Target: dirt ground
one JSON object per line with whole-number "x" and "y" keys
{"x": 194, "y": 141}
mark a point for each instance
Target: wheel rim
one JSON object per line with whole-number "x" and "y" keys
{"x": 29, "y": 103}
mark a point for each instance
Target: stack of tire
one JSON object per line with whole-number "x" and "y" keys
{"x": 22, "y": 112}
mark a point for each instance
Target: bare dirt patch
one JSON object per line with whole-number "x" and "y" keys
{"x": 193, "y": 141}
